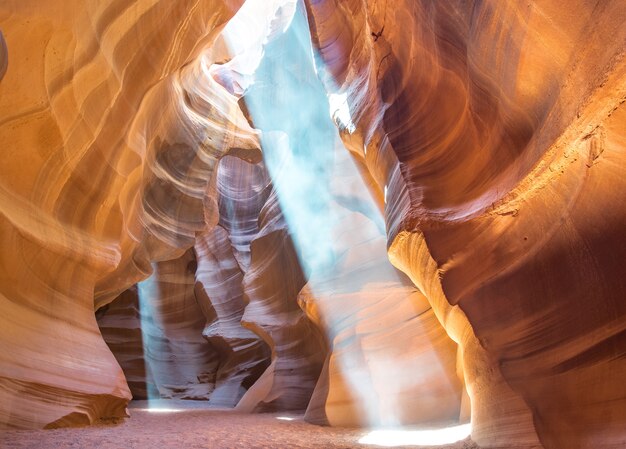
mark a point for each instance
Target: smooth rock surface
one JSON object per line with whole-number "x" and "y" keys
{"x": 490, "y": 135}
{"x": 491, "y": 128}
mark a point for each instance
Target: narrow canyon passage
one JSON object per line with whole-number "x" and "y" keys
{"x": 313, "y": 223}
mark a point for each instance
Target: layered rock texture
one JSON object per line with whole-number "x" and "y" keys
{"x": 120, "y": 323}
{"x": 160, "y": 323}
{"x": 108, "y": 148}
{"x": 391, "y": 362}
{"x": 473, "y": 212}
{"x": 493, "y": 128}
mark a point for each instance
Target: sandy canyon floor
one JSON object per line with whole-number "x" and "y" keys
{"x": 183, "y": 426}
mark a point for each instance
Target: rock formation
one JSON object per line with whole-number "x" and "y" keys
{"x": 181, "y": 364}
{"x": 109, "y": 148}
{"x": 242, "y": 354}
{"x": 493, "y": 128}
{"x": 391, "y": 361}
{"x": 482, "y": 152}
{"x": 120, "y": 326}
{"x": 272, "y": 285}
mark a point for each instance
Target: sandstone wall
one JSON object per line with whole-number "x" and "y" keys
{"x": 490, "y": 134}
{"x": 492, "y": 127}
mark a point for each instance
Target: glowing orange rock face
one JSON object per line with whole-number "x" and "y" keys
{"x": 494, "y": 129}
{"x": 88, "y": 105}
{"x": 494, "y": 132}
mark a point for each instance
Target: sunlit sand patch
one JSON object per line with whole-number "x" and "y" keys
{"x": 404, "y": 437}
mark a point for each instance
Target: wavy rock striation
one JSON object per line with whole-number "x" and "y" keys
{"x": 490, "y": 133}
{"x": 86, "y": 180}
{"x": 223, "y": 255}
{"x": 271, "y": 287}
{"x": 491, "y": 127}
{"x": 181, "y": 364}
{"x": 391, "y": 363}
{"x": 120, "y": 325}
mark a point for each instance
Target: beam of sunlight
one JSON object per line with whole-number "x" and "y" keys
{"x": 321, "y": 194}
{"x": 288, "y": 103}
{"x": 402, "y": 437}
{"x": 145, "y": 290}
{"x": 172, "y": 355}
{"x": 291, "y": 107}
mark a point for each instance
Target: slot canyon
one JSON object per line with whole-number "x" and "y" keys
{"x": 313, "y": 223}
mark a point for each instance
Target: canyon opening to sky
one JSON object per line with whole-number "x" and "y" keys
{"x": 313, "y": 223}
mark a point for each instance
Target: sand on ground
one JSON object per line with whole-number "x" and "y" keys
{"x": 183, "y": 424}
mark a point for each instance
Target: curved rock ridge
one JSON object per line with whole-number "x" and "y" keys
{"x": 243, "y": 356}
{"x": 489, "y": 149}
{"x": 120, "y": 326}
{"x": 239, "y": 355}
{"x": 353, "y": 294}
{"x": 223, "y": 255}
{"x": 182, "y": 145}
{"x": 167, "y": 327}
{"x": 391, "y": 363}
{"x": 181, "y": 363}
{"x": 91, "y": 155}
{"x": 491, "y": 128}
{"x": 243, "y": 187}
{"x": 271, "y": 287}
